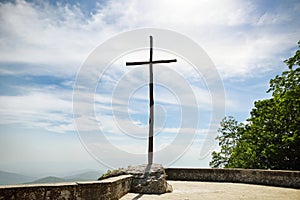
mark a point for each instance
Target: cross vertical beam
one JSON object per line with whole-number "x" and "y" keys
{"x": 151, "y": 96}
{"x": 151, "y": 105}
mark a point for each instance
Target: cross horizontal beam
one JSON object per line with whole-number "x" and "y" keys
{"x": 149, "y": 62}
{"x": 151, "y": 96}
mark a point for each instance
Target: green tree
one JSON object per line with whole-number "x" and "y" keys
{"x": 229, "y": 135}
{"x": 272, "y": 137}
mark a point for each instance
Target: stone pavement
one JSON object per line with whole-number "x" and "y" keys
{"x": 190, "y": 190}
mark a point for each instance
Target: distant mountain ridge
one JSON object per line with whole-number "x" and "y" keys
{"x": 48, "y": 179}
{"x": 7, "y": 178}
{"x": 86, "y": 176}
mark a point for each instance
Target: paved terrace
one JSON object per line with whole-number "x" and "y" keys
{"x": 193, "y": 190}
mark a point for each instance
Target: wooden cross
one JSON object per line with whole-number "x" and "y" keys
{"x": 151, "y": 102}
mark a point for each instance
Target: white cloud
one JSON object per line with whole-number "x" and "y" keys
{"x": 270, "y": 18}
{"x": 186, "y": 14}
{"x": 56, "y": 37}
{"x": 37, "y": 110}
{"x": 60, "y": 36}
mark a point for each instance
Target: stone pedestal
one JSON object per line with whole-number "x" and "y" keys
{"x": 147, "y": 179}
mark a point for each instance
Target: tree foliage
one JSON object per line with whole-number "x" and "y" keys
{"x": 230, "y": 134}
{"x": 271, "y": 138}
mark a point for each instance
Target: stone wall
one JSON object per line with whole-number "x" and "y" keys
{"x": 116, "y": 187}
{"x": 111, "y": 188}
{"x": 262, "y": 177}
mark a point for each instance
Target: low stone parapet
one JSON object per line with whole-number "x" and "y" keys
{"x": 280, "y": 178}
{"x": 116, "y": 187}
{"x": 111, "y": 188}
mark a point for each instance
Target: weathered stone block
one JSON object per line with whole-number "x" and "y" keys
{"x": 147, "y": 179}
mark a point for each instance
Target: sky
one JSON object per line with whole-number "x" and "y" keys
{"x": 64, "y": 109}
